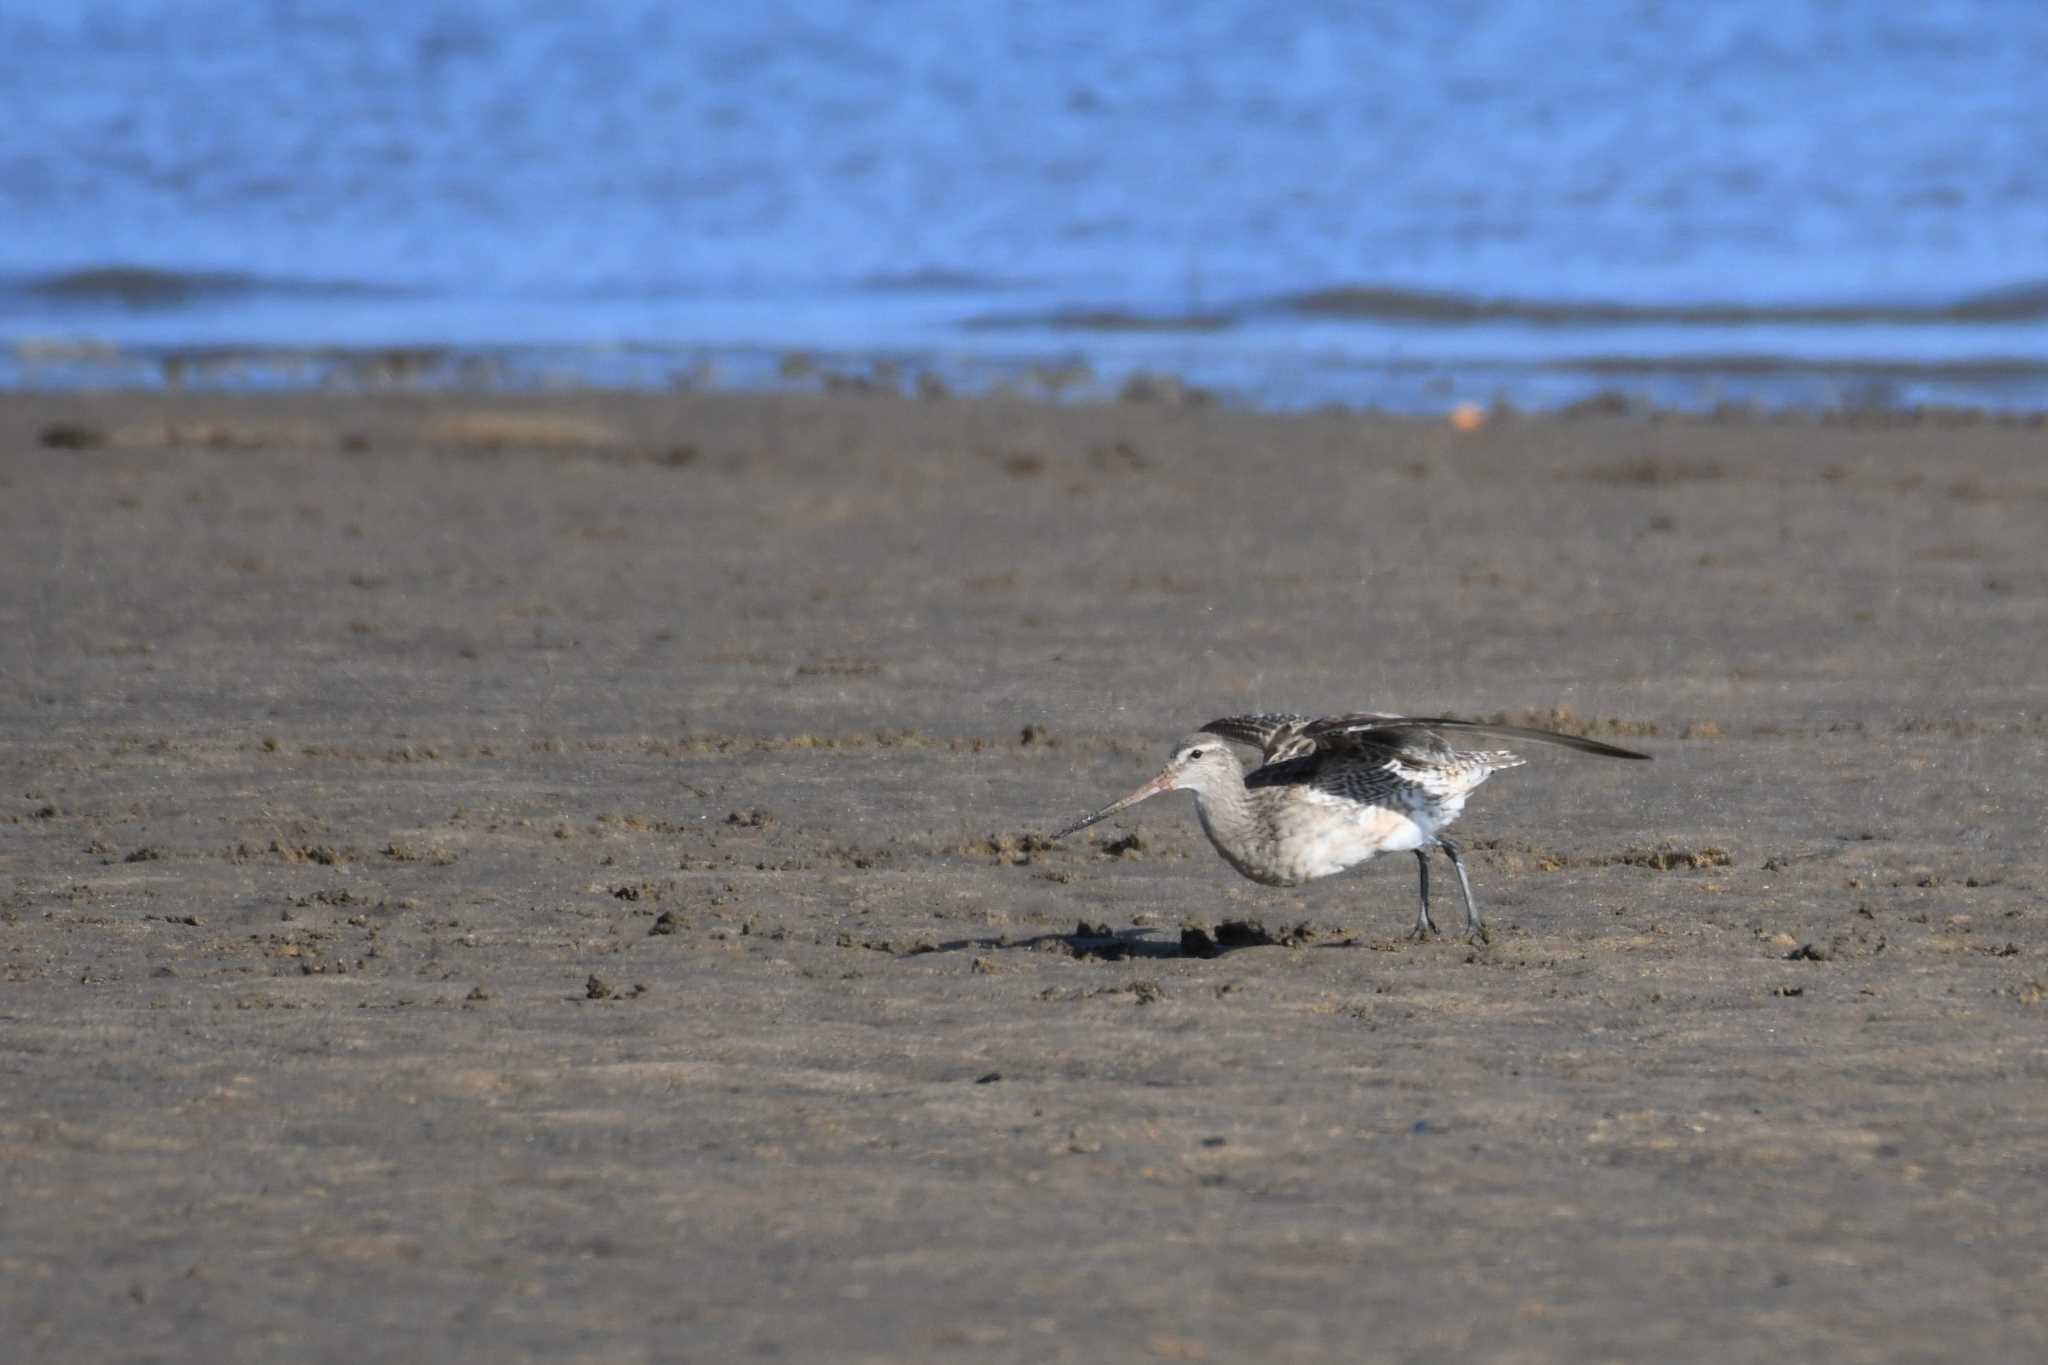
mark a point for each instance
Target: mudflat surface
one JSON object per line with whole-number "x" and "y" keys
{"x": 550, "y": 879}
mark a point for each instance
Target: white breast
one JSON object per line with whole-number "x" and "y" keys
{"x": 1316, "y": 836}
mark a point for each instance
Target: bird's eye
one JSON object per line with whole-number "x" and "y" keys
{"x": 1194, "y": 753}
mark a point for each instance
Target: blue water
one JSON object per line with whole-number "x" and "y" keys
{"x": 1809, "y": 204}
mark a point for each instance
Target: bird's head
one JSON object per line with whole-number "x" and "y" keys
{"x": 1201, "y": 762}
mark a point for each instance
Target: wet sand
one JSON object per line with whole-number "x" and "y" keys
{"x": 550, "y": 878}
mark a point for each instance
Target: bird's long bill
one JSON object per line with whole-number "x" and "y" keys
{"x": 1161, "y": 783}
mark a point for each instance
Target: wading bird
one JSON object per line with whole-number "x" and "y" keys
{"x": 1332, "y": 793}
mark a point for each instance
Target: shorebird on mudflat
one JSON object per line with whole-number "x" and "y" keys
{"x": 1332, "y": 793}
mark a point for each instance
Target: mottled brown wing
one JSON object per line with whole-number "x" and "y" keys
{"x": 1276, "y": 735}
{"x": 1421, "y": 739}
{"x": 1366, "y": 777}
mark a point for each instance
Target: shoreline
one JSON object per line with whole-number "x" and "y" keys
{"x": 2010, "y": 384}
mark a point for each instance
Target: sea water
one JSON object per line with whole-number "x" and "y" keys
{"x": 1405, "y": 206}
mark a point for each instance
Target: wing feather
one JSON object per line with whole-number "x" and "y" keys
{"x": 1421, "y": 738}
{"x": 1275, "y": 734}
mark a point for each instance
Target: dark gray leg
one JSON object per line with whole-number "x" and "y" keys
{"x": 1474, "y": 928}
{"x": 1424, "y": 925}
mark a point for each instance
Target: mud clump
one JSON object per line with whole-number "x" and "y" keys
{"x": 860, "y": 859}
{"x": 1142, "y": 992}
{"x": 326, "y": 855}
{"x": 1241, "y": 933}
{"x": 67, "y": 436}
{"x": 1666, "y": 859}
{"x": 838, "y": 666}
{"x": 405, "y": 851}
{"x": 1527, "y": 857}
{"x": 1097, "y": 941}
{"x": 1016, "y": 849}
{"x": 894, "y": 947}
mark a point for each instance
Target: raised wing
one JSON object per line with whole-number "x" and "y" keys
{"x": 1422, "y": 739}
{"x": 1276, "y": 735}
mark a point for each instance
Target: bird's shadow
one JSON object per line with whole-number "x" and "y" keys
{"x": 1105, "y": 944}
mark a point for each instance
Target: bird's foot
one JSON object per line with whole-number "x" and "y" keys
{"x": 1424, "y": 932}
{"x": 1478, "y": 935}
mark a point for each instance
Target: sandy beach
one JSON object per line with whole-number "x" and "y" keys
{"x": 551, "y": 878}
